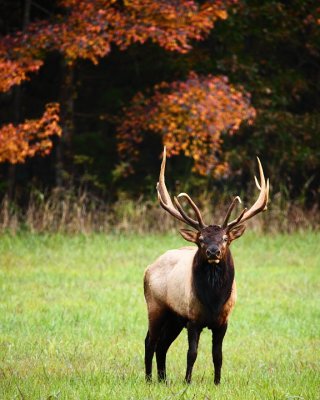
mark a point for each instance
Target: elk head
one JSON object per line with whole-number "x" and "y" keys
{"x": 212, "y": 240}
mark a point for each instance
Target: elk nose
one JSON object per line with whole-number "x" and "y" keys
{"x": 213, "y": 252}
{"x": 217, "y": 253}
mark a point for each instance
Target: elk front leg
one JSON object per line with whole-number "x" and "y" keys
{"x": 194, "y": 332}
{"x": 217, "y": 339}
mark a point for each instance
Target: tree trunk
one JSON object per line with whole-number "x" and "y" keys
{"x": 64, "y": 148}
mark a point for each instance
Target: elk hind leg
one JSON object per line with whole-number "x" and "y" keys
{"x": 170, "y": 332}
{"x": 156, "y": 321}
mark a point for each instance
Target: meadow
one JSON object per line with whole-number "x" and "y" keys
{"x": 73, "y": 320}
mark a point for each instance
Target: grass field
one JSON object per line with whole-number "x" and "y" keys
{"x": 73, "y": 320}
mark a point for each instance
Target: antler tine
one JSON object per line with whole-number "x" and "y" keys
{"x": 257, "y": 183}
{"x": 163, "y": 195}
{"x": 171, "y": 210}
{"x": 166, "y": 202}
{"x": 195, "y": 208}
{"x": 266, "y": 206}
{"x": 238, "y": 219}
{"x": 190, "y": 221}
{"x": 161, "y": 185}
{"x": 261, "y": 202}
{"x": 258, "y": 186}
{"x": 231, "y": 207}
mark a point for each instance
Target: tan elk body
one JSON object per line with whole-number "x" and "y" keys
{"x": 194, "y": 287}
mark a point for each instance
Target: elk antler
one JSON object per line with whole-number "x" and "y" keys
{"x": 231, "y": 207}
{"x": 166, "y": 202}
{"x": 259, "y": 206}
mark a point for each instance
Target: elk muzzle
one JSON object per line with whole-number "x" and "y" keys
{"x": 213, "y": 254}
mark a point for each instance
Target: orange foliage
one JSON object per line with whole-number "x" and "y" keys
{"x": 13, "y": 72}
{"x": 90, "y": 27}
{"x": 191, "y": 116}
{"x": 87, "y": 30}
{"x": 19, "y": 55}
{"x": 31, "y": 137}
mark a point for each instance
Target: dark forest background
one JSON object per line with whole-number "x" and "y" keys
{"x": 269, "y": 47}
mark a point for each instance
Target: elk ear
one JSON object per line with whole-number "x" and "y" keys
{"x": 189, "y": 235}
{"x": 237, "y": 232}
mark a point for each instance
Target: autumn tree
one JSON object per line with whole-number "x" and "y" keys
{"x": 87, "y": 29}
{"x": 30, "y": 137}
{"x": 191, "y": 116}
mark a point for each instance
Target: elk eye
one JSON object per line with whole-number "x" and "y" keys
{"x": 225, "y": 239}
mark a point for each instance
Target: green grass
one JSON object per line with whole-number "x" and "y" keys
{"x": 73, "y": 320}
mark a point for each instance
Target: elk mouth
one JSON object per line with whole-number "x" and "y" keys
{"x": 214, "y": 257}
{"x": 214, "y": 260}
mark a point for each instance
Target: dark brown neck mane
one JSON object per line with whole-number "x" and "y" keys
{"x": 213, "y": 283}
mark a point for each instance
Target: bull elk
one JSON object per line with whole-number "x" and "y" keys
{"x": 194, "y": 287}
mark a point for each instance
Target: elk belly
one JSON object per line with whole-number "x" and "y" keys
{"x": 229, "y": 305}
